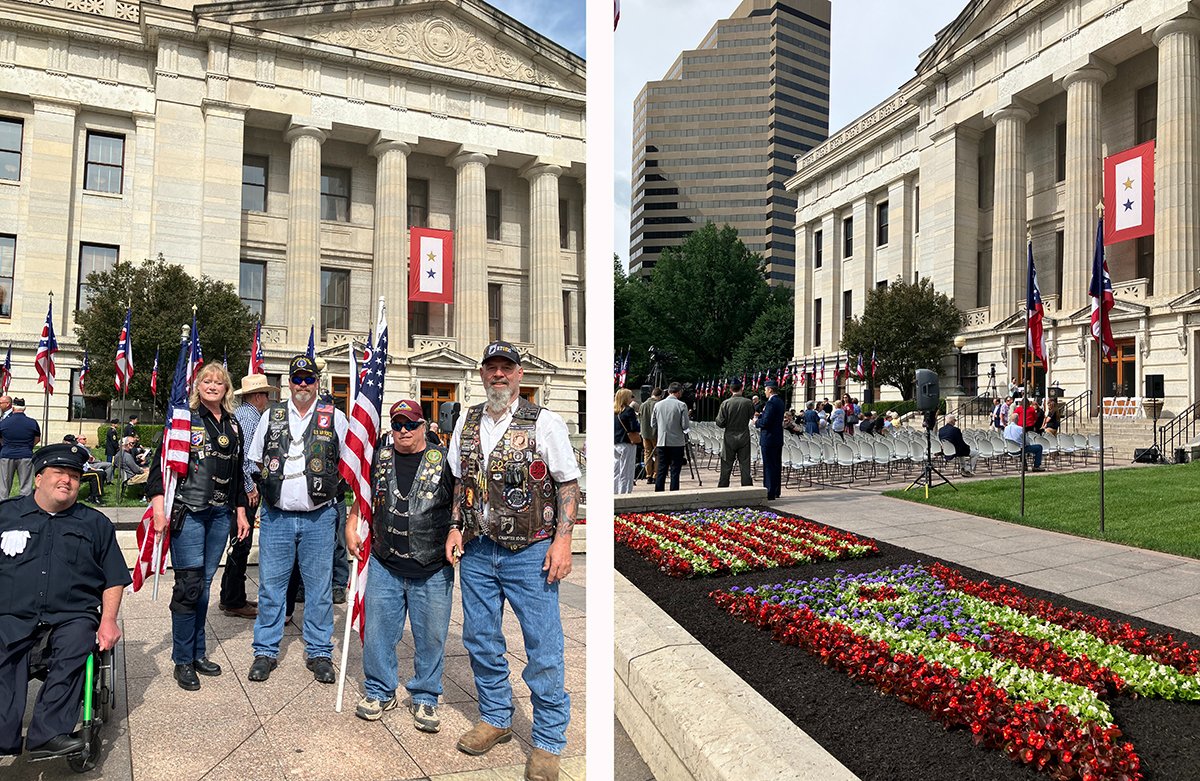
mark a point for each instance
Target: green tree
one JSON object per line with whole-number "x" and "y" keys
{"x": 908, "y": 326}
{"x": 769, "y": 342}
{"x": 161, "y": 296}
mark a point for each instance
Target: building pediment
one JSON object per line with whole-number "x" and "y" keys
{"x": 533, "y": 364}
{"x": 467, "y": 35}
{"x": 1187, "y": 302}
{"x": 1017, "y": 320}
{"x": 1121, "y": 310}
{"x": 443, "y": 357}
{"x": 976, "y": 19}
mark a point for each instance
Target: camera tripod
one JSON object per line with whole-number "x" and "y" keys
{"x": 928, "y": 470}
{"x": 693, "y": 470}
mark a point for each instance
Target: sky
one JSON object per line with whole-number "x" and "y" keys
{"x": 875, "y": 46}
{"x": 559, "y": 20}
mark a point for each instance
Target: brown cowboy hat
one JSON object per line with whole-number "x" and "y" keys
{"x": 255, "y": 383}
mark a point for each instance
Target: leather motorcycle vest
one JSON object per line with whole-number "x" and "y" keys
{"x": 321, "y": 453}
{"x": 520, "y": 494}
{"x": 427, "y": 521}
{"x": 212, "y": 467}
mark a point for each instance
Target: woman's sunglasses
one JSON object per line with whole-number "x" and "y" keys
{"x": 407, "y": 425}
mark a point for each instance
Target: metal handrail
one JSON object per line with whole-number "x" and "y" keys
{"x": 1179, "y": 429}
{"x": 1068, "y": 411}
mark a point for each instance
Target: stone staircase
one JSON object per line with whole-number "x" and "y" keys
{"x": 1121, "y": 435}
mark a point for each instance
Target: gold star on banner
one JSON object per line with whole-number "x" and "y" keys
{"x": 432, "y": 257}
{"x": 1128, "y": 184}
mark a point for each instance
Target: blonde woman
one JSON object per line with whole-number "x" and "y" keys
{"x": 208, "y": 497}
{"x": 625, "y": 424}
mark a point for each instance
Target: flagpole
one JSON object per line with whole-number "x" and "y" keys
{"x": 46, "y": 392}
{"x": 1100, "y": 371}
{"x": 337, "y": 708}
{"x": 1025, "y": 368}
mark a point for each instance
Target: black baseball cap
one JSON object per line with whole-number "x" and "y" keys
{"x": 501, "y": 350}
{"x": 64, "y": 454}
{"x": 302, "y": 364}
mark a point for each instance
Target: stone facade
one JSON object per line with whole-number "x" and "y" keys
{"x": 485, "y": 117}
{"x": 1001, "y": 135}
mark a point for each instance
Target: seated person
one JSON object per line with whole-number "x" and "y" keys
{"x": 74, "y": 604}
{"x": 127, "y": 462}
{"x": 953, "y": 434}
{"x": 1013, "y": 433}
{"x": 94, "y": 464}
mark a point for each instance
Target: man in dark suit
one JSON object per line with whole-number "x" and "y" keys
{"x": 734, "y": 416}
{"x": 770, "y": 423}
{"x": 953, "y": 434}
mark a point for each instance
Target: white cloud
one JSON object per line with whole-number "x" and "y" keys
{"x": 562, "y": 21}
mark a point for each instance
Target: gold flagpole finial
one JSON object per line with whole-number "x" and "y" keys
{"x": 193, "y": 310}
{"x": 1100, "y": 207}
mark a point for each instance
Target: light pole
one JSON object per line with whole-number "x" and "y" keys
{"x": 960, "y": 342}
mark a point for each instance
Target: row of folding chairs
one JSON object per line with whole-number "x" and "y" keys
{"x": 1121, "y": 406}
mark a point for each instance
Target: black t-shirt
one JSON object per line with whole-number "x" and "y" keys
{"x": 63, "y": 567}
{"x": 406, "y": 465}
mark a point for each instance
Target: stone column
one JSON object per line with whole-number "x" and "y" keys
{"x": 803, "y": 297}
{"x": 470, "y": 253}
{"x": 1085, "y": 172}
{"x": 1008, "y": 209}
{"x": 224, "y": 128}
{"x": 545, "y": 264}
{"x": 303, "y": 293}
{"x": 389, "y": 272}
{"x": 949, "y": 247}
{"x": 1177, "y": 157}
{"x": 48, "y": 245}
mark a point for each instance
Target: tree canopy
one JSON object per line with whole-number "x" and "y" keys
{"x": 161, "y": 296}
{"x": 908, "y": 326}
{"x": 700, "y": 303}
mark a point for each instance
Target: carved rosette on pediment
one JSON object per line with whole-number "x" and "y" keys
{"x": 435, "y": 40}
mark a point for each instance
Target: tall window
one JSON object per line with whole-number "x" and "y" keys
{"x": 1147, "y": 113}
{"x": 93, "y": 257}
{"x": 917, "y": 210}
{"x": 11, "y": 132}
{"x": 881, "y": 224}
{"x": 847, "y": 305}
{"x": 564, "y": 224}
{"x": 1145, "y": 262}
{"x": 493, "y": 215}
{"x": 83, "y": 407}
{"x": 335, "y": 194}
{"x": 818, "y": 248}
{"x": 495, "y": 297}
{"x": 847, "y": 237}
{"x": 817, "y": 323}
{"x": 105, "y": 162}
{"x": 581, "y": 411}
{"x": 1059, "y": 256}
{"x": 253, "y": 287}
{"x": 987, "y": 178}
{"x": 254, "y": 183}
{"x": 567, "y": 317}
{"x": 881, "y": 284}
{"x": 970, "y": 373}
{"x": 418, "y": 317}
{"x": 1060, "y": 152}
{"x": 418, "y": 204}
{"x": 983, "y": 279}
{"x": 335, "y": 300}
{"x": 8, "y": 256}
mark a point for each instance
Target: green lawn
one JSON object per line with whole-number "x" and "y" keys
{"x": 1157, "y": 508}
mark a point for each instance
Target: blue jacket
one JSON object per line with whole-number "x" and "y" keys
{"x": 19, "y": 432}
{"x": 771, "y": 422}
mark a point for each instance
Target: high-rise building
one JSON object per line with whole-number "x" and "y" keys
{"x": 716, "y": 138}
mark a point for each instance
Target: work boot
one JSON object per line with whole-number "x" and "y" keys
{"x": 480, "y": 739}
{"x": 205, "y": 666}
{"x": 541, "y": 766}
{"x": 261, "y": 669}
{"x": 185, "y": 676}
{"x": 322, "y": 669}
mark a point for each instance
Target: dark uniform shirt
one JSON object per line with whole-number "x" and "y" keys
{"x": 68, "y": 561}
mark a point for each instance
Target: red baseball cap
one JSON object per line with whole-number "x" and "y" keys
{"x": 407, "y": 409}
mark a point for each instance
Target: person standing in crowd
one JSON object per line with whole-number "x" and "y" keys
{"x": 298, "y": 444}
{"x": 837, "y": 421}
{"x": 112, "y": 441}
{"x": 19, "y": 433}
{"x": 1053, "y": 416}
{"x": 670, "y": 421}
{"x": 734, "y": 416}
{"x": 812, "y": 421}
{"x": 515, "y": 506}
{"x": 131, "y": 430}
{"x": 649, "y": 435}
{"x": 71, "y": 600}
{"x": 770, "y": 439}
{"x": 411, "y": 486}
{"x": 208, "y": 497}
{"x": 625, "y": 449}
{"x": 255, "y": 393}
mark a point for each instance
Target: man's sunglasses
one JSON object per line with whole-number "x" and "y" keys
{"x": 304, "y": 379}
{"x": 407, "y": 425}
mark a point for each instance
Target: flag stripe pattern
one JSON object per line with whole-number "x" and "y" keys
{"x": 6, "y": 372}
{"x": 1035, "y": 337}
{"x": 83, "y": 371}
{"x": 124, "y": 361}
{"x": 256, "y": 351}
{"x": 43, "y": 361}
{"x": 1102, "y": 297}
{"x": 357, "y": 456}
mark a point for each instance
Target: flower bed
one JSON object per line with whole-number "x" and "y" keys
{"x": 1024, "y": 676}
{"x": 743, "y": 539}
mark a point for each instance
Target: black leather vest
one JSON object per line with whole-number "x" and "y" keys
{"x": 321, "y": 453}
{"x": 428, "y": 517}
{"x": 212, "y": 467}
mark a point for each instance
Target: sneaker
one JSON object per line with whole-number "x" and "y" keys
{"x": 425, "y": 717}
{"x": 370, "y": 709}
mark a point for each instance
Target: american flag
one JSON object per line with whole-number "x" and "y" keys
{"x": 176, "y": 447}
{"x": 6, "y": 370}
{"x": 124, "y": 361}
{"x": 195, "y": 354}
{"x": 624, "y": 369}
{"x": 83, "y": 371}
{"x": 154, "y": 375}
{"x": 860, "y": 371}
{"x": 1035, "y": 336}
{"x": 357, "y": 455}
{"x": 1102, "y": 297}
{"x": 256, "y": 351}
{"x": 47, "y": 347}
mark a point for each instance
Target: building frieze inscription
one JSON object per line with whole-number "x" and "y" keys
{"x": 430, "y": 39}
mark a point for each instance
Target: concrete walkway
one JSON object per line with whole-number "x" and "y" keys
{"x": 286, "y": 729}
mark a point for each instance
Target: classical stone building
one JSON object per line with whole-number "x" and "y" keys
{"x": 714, "y": 139}
{"x": 287, "y": 148}
{"x": 1001, "y": 133}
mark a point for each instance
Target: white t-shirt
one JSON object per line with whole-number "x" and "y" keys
{"x": 553, "y": 444}
{"x": 293, "y": 495}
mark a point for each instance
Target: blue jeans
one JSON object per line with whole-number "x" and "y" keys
{"x": 284, "y": 537}
{"x": 426, "y": 601}
{"x": 198, "y": 546}
{"x": 1037, "y": 454}
{"x": 490, "y": 575}
{"x": 341, "y": 564}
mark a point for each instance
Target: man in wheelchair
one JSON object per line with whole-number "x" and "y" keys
{"x": 59, "y": 564}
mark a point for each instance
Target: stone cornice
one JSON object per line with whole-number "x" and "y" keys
{"x": 888, "y": 117}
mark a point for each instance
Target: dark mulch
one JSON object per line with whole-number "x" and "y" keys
{"x": 875, "y": 736}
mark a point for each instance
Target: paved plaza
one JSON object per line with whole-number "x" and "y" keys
{"x": 285, "y": 729}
